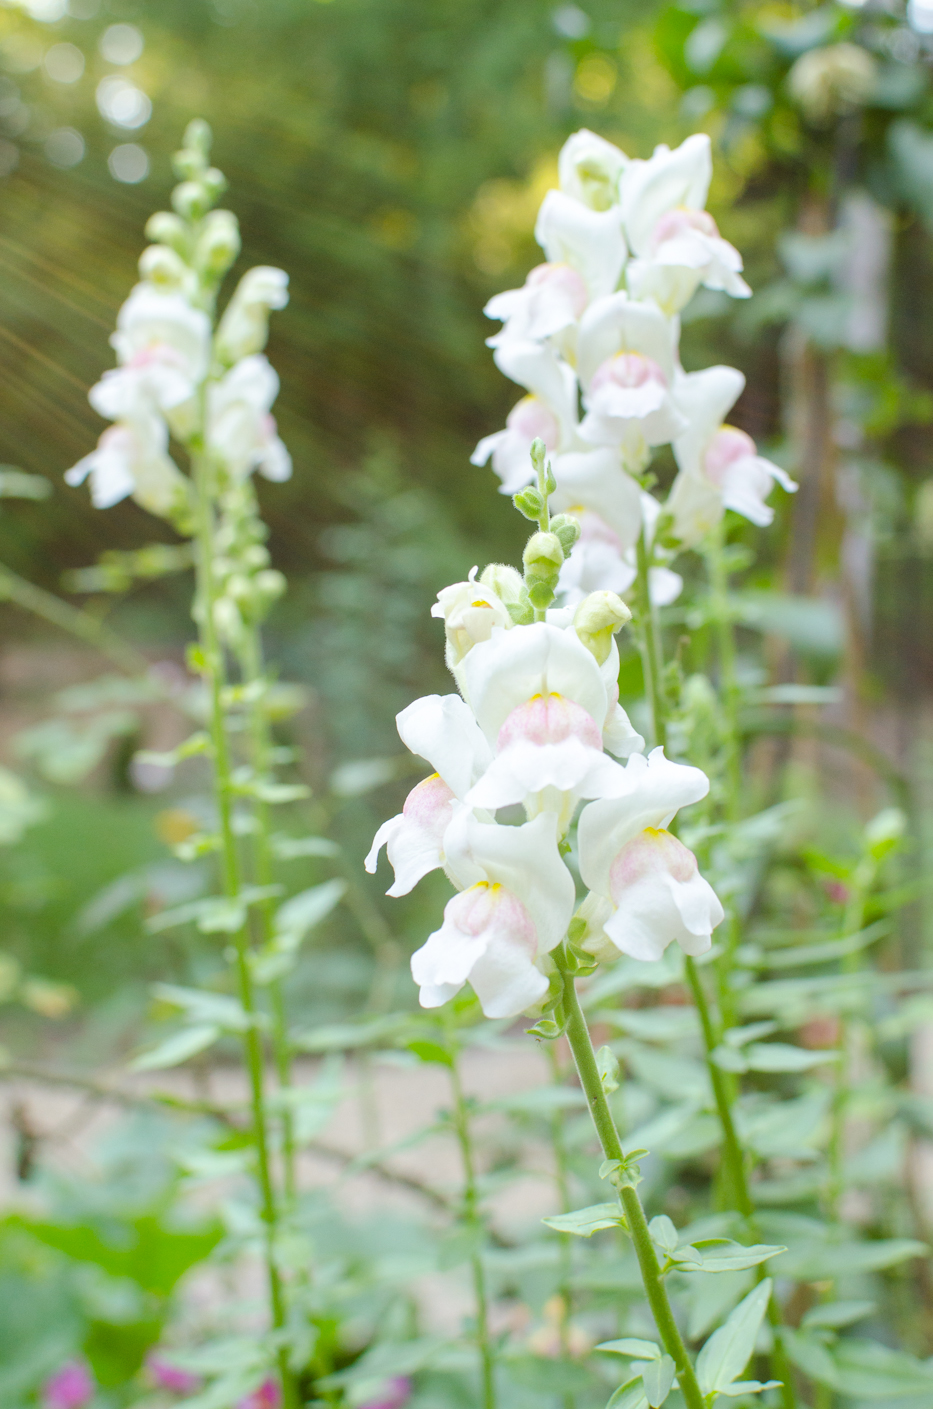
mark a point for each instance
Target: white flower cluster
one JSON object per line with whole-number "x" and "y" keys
{"x": 212, "y": 390}
{"x": 537, "y": 722}
{"x": 596, "y": 330}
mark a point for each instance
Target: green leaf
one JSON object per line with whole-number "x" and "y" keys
{"x": 868, "y": 1370}
{"x": 663, "y": 1233}
{"x": 200, "y": 1005}
{"x": 584, "y": 1222}
{"x": 194, "y": 745}
{"x": 750, "y": 1032}
{"x": 811, "y": 1356}
{"x": 729, "y": 1058}
{"x": 308, "y": 908}
{"x": 837, "y": 1313}
{"x": 658, "y": 1377}
{"x": 176, "y": 1049}
{"x": 635, "y": 1349}
{"x": 822, "y": 1261}
{"x": 290, "y": 848}
{"x": 430, "y": 1052}
{"x": 783, "y": 1056}
{"x": 728, "y": 1350}
{"x": 749, "y": 1387}
{"x": 607, "y": 1064}
{"x": 631, "y": 1395}
{"x": 724, "y": 1255}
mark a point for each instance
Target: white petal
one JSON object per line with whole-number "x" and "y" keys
{"x": 618, "y": 324}
{"x": 657, "y": 788}
{"x": 595, "y": 480}
{"x": 524, "y": 769}
{"x": 441, "y": 729}
{"x": 590, "y": 241}
{"x": 620, "y": 736}
{"x": 649, "y": 189}
{"x": 505, "y": 981}
{"x": 486, "y": 446}
{"x": 513, "y": 666}
{"x": 704, "y": 399}
{"x": 539, "y": 370}
{"x": 659, "y": 909}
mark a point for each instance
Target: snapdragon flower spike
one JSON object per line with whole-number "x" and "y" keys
{"x": 675, "y": 242}
{"x": 516, "y": 901}
{"x": 719, "y": 467}
{"x": 441, "y": 729}
{"x": 646, "y": 889}
{"x": 552, "y": 300}
{"x": 163, "y": 346}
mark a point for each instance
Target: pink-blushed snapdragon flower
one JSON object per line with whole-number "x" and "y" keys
{"x": 597, "y": 561}
{"x": 589, "y": 169}
{"x": 131, "y": 458}
{"x": 71, "y": 1387}
{"x": 516, "y": 899}
{"x": 674, "y": 240}
{"x": 592, "y": 242}
{"x": 163, "y": 346}
{"x": 552, "y": 299}
{"x": 529, "y": 419}
{"x": 646, "y": 889}
{"x": 395, "y": 1393}
{"x": 171, "y": 1377}
{"x": 471, "y": 611}
{"x": 627, "y": 364}
{"x": 719, "y": 466}
{"x": 244, "y": 328}
{"x": 241, "y": 430}
{"x": 441, "y": 729}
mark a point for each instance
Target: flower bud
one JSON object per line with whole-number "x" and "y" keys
{"x": 504, "y": 581}
{"x": 270, "y": 584}
{"x": 198, "y": 137}
{"x": 188, "y": 165}
{"x": 529, "y": 503}
{"x": 833, "y": 80}
{"x": 166, "y": 229}
{"x": 543, "y": 557}
{"x": 598, "y": 617}
{"x": 192, "y": 199}
{"x": 215, "y": 182}
{"x": 161, "y": 265}
{"x": 567, "y": 529}
{"x": 218, "y": 244}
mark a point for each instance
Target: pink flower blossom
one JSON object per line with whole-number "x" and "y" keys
{"x": 393, "y": 1395}
{"x": 71, "y": 1387}
{"x": 267, "y": 1396}
{"x": 169, "y": 1376}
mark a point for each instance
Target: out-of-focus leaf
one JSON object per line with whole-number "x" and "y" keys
{"x": 584, "y": 1222}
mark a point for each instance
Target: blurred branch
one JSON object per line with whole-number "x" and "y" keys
{"x": 76, "y": 622}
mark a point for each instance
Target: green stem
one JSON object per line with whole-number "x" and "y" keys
{"x": 213, "y": 671}
{"x": 473, "y": 1220}
{"x": 82, "y": 624}
{"x": 578, "y": 1035}
{"x": 728, "y": 676}
{"x": 253, "y": 672}
{"x": 734, "y": 1161}
{"x": 650, "y": 641}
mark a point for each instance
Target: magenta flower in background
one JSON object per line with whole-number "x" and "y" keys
{"x": 169, "y": 1376}
{"x": 393, "y": 1395}
{"x": 71, "y": 1387}
{"x": 267, "y": 1396}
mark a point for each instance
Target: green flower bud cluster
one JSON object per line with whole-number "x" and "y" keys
{"x": 248, "y": 586}
{"x": 547, "y": 549}
{"x": 193, "y": 244}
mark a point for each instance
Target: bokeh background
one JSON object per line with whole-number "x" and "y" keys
{"x": 391, "y": 155}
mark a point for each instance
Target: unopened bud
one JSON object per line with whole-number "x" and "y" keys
{"x": 198, "y": 136}
{"x": 191, "y": 199}
{"x": 596, "y": 620}
{"x": 239, "y": 587}
{"x": 162, "y": 265}
{"x": 270, "y": 584}
{"x": 166, "y": 229}
{"x": 219, "y": 243}
{"x": 543, "y": 557}
{"x": 227, "y": 618}
{"x": 215, "y": 181}
{"x": 567, "y": 529}
{"x": 188, "y": 165}
{"x": 529, "y": 502}
{"x": 538, "y": 452}
{"x": 504, "y": 581}
{"x": 256, "y": 556}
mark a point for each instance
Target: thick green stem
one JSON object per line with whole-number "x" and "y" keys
{"x": 473, "y": 1220}
{"x": 213, "y": 671}
{"x": 578, "y": 1035}
{"x": 82, "y": 624}
{"x": 650, "y": 642}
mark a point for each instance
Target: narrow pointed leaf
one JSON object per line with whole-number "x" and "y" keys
{"x": 728, "y": 1350}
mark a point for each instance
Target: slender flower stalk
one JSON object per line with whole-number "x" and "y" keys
{"x": 473, "y": 1222}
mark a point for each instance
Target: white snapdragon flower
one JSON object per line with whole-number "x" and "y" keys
{"x": 645, "y": 884}
{"x": 593, "y": 479}
{"x": 544, "y": 704}
{"x": 719, "y": 466}
{"x": 163, "y": 347}
{"x": 598, "y": 560}
{"x": 552, "y": 301}
{"x": 516, "y": 900}
{"x": 675, "y": 242}
{"x": 441, "y": 729}
{"x": 591, "y": 241}
{"x": 240, "y": 427}
{"x": 589, "y": 168}
{"x": 529, "y": 420}
{"x": 470, "y": 610}
{"x": 626, "y": 364}
{"x": 131, "y": 459}
{"x": 244, "y": 327}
